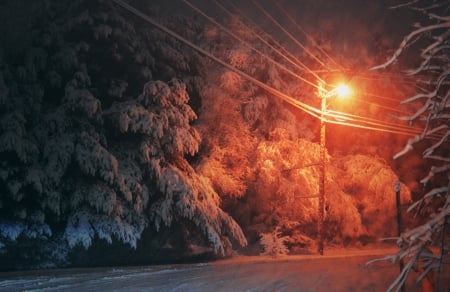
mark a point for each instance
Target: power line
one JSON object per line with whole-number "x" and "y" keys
{"x": 198, "y": 10}
{"x": 296, "y": 103}
{"x": 309, "y": 37}
{"x": 314, "y": 57}
{"x": 383, "y": 106}
{"x": 359, "y": 75}
{"x": 339, "y": 116}
{"x": 272, "y": 47}
{"x": 373, "y": 128}
{"x": 372, "y": 124}
{"x": 278, "y": 52}
{"x": 284, "y": 53}
{"x": 382, "y": 97}
{"x": 357, "y": 121}
{"x": 382, "y": 77}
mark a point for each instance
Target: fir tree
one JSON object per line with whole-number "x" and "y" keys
{"x": 92, "y": 145}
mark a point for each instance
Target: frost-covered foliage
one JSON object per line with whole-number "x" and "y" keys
{"x": 260, "y": 157}
{"x": 163, "y": 118}
{"x": 431, "y": 37}
{"x": 236, "y": 113}
{"x": 57, "y": 159}
{"x": 92, "y": 146}
{"x": 274, "y": 244}
{"x": 370, "y": 182}
{"x": 358, "y": 189}
{"x": 232, "y": 147}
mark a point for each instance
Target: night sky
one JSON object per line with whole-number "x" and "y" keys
{"x": 350, "y": 24}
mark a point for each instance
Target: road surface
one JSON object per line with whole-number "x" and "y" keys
{"x": 341, "y": 270}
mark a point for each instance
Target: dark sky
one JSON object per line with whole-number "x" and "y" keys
{"x": 349, "y": 24}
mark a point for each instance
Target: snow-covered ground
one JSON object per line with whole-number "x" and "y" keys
{"x": 338, "y": 270}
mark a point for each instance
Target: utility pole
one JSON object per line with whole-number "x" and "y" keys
{"x": 320, "y": 229}
{"x": 341, "y": 90}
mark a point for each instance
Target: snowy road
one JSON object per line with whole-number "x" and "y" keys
{"x": 333, "y": 272}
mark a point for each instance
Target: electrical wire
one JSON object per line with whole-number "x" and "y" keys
{"x": 285, "y": 54}
{"x": 351, "y": 119}
{"x": 198, "y": 10}
{"x": 383, "y": 76}
{"x": 379, "y": 129}
{"x": 308, "y": 36}
{"x": 367, "y": 121}
{"x": 338, "y": 117}
{"x": 383, "y": 107}
{"x": 367, "y": 75}
{"x": 359, "y": 75}
{"x": 294, "y": 39}
{"x": 233, "y": 35}
{"x": 296, "y": 103}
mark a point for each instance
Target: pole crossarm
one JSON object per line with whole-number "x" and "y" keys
{"x": 301, "y": 167}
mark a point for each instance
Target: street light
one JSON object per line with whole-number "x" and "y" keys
{"x": 341, "y": 90}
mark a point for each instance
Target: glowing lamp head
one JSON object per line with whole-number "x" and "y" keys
{"x": 342, "y": 90}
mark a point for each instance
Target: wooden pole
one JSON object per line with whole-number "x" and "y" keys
{"x": 320, "y": 229}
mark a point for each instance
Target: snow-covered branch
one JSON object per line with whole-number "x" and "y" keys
{"x": 407, "y": 4}
{"x": 406, "y": 41}
{"x": 434, "y": 116}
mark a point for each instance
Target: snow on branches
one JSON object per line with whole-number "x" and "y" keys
{"x": 91, "y": 143}
{"x": 433, "y": 116}
{"x": 191, "y": 196}
{"x": 273, "y": 243}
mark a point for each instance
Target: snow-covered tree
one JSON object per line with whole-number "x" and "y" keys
{"x": 427, "y": 245}
{"x": 110, "y": 128}
{"x": 262, "y": 159}
{"x": 92, "y": 145}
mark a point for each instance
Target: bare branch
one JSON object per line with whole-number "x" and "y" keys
{"x": 416, "y": 139}
{"x": 420, "y": 95}
{"x": 403, "y": 275}
{"x": 408, "y": 147}
{"x": 439, "y": 158}
{"x": 434, "y": 116}
{"x": 407, "y": 40}
{"x": 431, "y": 149}
{"x": 439, "y": 17}
{"x": 391, "y": 258}
{"x": 435, "y": 5}
{"x": 427, "y": 58}
{"x": 432, "y": 193}
{"x": 404, "y": 4}
{"x": 433, "y": 171}
{"x": 420, "y": 111}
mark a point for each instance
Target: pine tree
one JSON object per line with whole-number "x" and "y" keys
{"x": 93, "y": 146}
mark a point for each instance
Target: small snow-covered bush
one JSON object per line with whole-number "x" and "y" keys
{"x": 273, "y": 243}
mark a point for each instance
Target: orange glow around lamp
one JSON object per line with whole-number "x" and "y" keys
{"x": 341, "y": 90}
